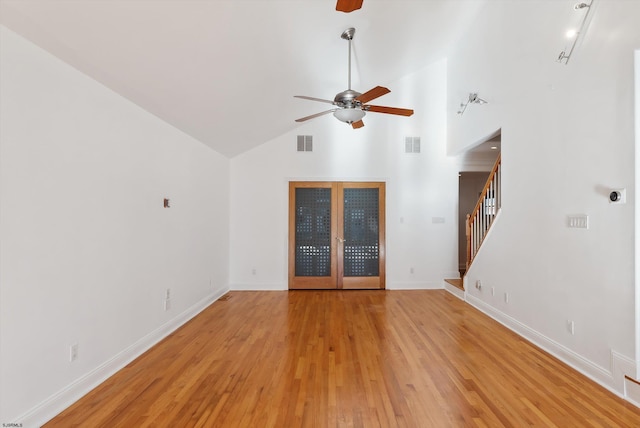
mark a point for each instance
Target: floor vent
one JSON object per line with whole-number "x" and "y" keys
{"x": 305, "y": 143}
{"x": 412, "y": 145}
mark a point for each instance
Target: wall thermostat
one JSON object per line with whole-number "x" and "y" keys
{"x": 618, "y": 196}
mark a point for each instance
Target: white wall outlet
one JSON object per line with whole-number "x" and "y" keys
{"x": 73, "y": 352}
{"x": 506, "y": 297}
{"x": 493, "y": 291}
{"x": 571, "y": 326}
{"x": 167, "y": 294}
{"x": 478, "y": 284}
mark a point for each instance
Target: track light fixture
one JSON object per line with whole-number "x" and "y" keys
{"x": 573, "y": 34}
{"x": 473, "y": 99}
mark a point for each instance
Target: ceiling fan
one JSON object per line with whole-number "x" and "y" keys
{"x": 351, "y": 106}
{"x": 348, "y": 5}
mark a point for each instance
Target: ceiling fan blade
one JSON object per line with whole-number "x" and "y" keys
{"x": 314, "y": 99}
{"x": 348, "y": 5}
{"x": 374, "y": 93}
{"x": 388, "y": 110}
{"x": 358, "y": 124}
{"x": 302, "y": 119}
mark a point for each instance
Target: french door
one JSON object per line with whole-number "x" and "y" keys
{"x": 336, "y": 235}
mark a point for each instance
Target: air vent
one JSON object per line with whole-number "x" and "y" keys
{"x": 305, "y": 143}
{"x": 412, "y": 145}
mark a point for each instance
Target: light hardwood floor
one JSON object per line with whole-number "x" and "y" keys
{"x": 346, "y": 358}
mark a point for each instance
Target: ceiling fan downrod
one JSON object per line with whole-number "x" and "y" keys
{"x": 348, "y": 35}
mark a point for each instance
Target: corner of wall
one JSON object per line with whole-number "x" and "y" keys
{"x": 62, "y": 399}
{"x": 612, "y": 378}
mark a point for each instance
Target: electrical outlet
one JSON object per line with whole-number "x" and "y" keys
{"x": 73, "y": 352}
{"x": 506, "y": 297}
{"x": 493, "y": 291}
{"x": 167, "y": 294}
{"x": 571, "y": 326}
{"x": 479, "y": 285}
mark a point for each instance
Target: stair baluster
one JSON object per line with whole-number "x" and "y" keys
{"x": 481, "y": 218}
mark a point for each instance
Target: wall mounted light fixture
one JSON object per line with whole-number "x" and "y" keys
{"x": 575, "y": 34}
{"x": 473, "y": 99}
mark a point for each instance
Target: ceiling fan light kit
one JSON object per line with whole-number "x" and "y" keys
{"x": 349, "y": 115}
{"x": 351, "y": 105}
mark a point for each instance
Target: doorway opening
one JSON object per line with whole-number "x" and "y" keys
{"x": 475, "y": 167}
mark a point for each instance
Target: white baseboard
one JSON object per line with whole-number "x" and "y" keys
{"x": 260, "y": 287}
{"x": 454, "y": 290}
{"x": 632, "y": 392}
{"x": 611, "y": 378}
{"x": 424, "y": 285}
{"x": 59, "y": 401}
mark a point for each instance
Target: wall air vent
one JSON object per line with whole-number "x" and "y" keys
{"x": 412, "y": 145}
{"x": 305, "y": 143}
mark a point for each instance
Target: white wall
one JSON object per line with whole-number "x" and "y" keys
{"x": 419, "y": 186}
{"x": 87, "y": 249}
{"x": 567, "y": 138}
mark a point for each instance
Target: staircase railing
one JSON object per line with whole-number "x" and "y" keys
{"x": 485, "y": 211}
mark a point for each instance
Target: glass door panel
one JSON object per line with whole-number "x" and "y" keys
{"x": 312, "y": 228}
{"x": 336, "y": 235}
{"x": 361, "y": 261}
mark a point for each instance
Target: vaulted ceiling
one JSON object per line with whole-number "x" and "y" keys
{"x": 225, "y": 71}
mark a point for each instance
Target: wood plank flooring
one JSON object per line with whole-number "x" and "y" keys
{"x": 346, "y": 359}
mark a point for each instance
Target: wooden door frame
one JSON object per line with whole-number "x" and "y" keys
{"x": 336, "y": 280}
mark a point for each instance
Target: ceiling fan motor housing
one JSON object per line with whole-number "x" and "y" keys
{"x": 347, "y": 98}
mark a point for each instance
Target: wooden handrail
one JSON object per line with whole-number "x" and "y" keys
{"x": 483, "y": 194}
{"x": 476, "y": 233}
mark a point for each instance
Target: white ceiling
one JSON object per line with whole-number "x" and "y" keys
{"x": 225, "y": 71}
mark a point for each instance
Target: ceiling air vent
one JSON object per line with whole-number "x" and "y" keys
{"x": 412, "y": 145}
{"x": 305, "y": 143}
